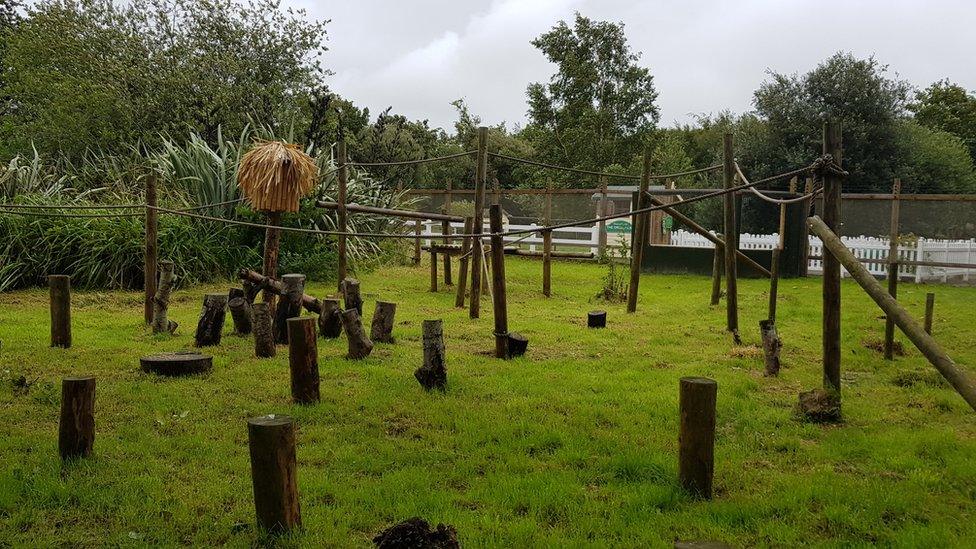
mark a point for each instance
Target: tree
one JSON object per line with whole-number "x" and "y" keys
{"x": 599, "y": 107}
{"x": 948, "y": 107}
{"x": 935, "y": 161}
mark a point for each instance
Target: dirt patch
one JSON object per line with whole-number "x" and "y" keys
{"x": 878, "y": 345}
{"x": 415, "y": 533}
{"x": 746, "y": 351}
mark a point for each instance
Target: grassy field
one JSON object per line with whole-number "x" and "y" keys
{"x": 573, "y": 445}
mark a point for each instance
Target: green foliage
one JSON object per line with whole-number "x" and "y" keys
{"x": 948, "y": 107}
{"x": 935, "y": 161}
{"x": 206, "y": 174}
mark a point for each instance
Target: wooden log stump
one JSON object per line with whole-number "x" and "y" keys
{"x": 181, "y": 363}
{"x": 360, "y": 345}
{"x": 243, "y": 316}
{"x": 290, "y": 306}
{"x": 929, "y": 311}
{"x": 330, "y": 318}
{"x": 303, "y": 360}
{"x": 696, "y": 440}
{"x": 274, "y": 472}
{"x": 517, "y": 344}
{"x": 264, "y": 345}
{"x": 596, "y": 319}
{"x": 251, "y": 291}
{"x": 211, "y": 324}
{"x": 160, "y": 321}
{"x": 351, "y": 296}
{"x": 382, "y": 325}
{"x": 771, "y": 344}
{"x": 76, "y": 428}
{"x": 60, "y": 287}
{"x": 433, "y": 373}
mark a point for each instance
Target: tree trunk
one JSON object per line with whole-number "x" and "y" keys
{"x": 330, "y": 318}
{"x": 274, "y": 475}
{"x": 264, "y": 345}
{"x": 293, "y": 288}
{"x": 382, "y": 326}
{"x": 359, "y": 345}
{"x": 303, "y": 360}
{"x": 160, "y": 322}
{"x": 771, "y": 345}
{"x": 211, "y": 324}
{"x": 350, "y": 295}
{"x": 433, "y": 374}
{"x": 272, "y": 241}
{"x": 76, "y": 430}
{"x": 240, "y": 312}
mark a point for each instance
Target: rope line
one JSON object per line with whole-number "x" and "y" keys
{"x": 772, "y": 200}
{"x": 606, "y": 174}
{"x": 410, "y": 162}
{"x": 72, "y": 206}
{"x": 32, "y": 213}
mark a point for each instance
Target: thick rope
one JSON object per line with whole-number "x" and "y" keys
{"x": 772, "y": 200}
{"x": 412, "y": 162}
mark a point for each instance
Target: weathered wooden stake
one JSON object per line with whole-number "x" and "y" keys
{"x": 889, "y": 337}
{"x": 264, "y": 344}
{"x": 433, "y": 373}
{"x": 359, "y": 344}
{"x": 274, "y": 472}
{"x": 60, "y": 290}
{"x": 832, "y": 144}
{"x": 929, "y": 310}
{"x": 696, "y": 441}
{"x": 433, "y": 270}
{"x": 330, "y": 318}
{"x": 211, "y": 324}
{"x": 417, "y": 226}
{"x": 547, "y": 244}
{"x": 771, "y": 344}
{"x": 601, "y": 212}
{"x": 731, "y": 240}
{"x": 479, "y": 223}
{"x": 240, "y": 312}
{"x": 718, "y": 259}
{"x": 76, "y": 429}
{"x": 341, "y": 214}
{"x": 499, "y": 301}
{"x": 303, "y": 359}
{"x": 463, "y": 264}
{"x": 446, "y": 230}
{"x": 351, "y": 295}
{"x": 293, "y": 289}
{"x": 381, "y": 328}
{"x": 773, "y": 284}
{"x": 152, "y": 246}
{"x": 596, "y": 319}
{"x": 639, "y": 235}
{"x": 160, "y": 322}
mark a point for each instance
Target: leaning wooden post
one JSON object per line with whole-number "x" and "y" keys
{"x": 547, "y": 244}
{"x": 274, "y": 475}
{"x": 303, "y": 359}
{"x": 60, "y": 290}
{"x": 479, "y": 223}
{"x": 358, "y": 343}
{"x": 601, "y": 212}
{"x": 76, "y": 428}
{"x": 210, "y": 327}
{"x": 446, "y": 231}
{"x": 731, "y": 240}
{"x": 351, "y": 295}
{"x": 463, "y": 264}
{"x": 929, "y": 311}
{"x": 832, "y": 145}
{"x": 152, "y": 246}
{"x": 718, "y": 259}
{"x": 889, "y": 337}
{"x": 343, "y": 181}
{"x": 500, "y": 305}
{"x": 639, "y": 235}
{"x": 696, "y": 440}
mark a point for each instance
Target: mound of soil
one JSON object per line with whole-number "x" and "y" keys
{"x": 415, "y": 533}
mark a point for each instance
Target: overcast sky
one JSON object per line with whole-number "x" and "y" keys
{"x": 419, "y": 55}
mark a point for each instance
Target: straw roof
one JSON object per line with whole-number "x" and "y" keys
{"x": 274, "y": 175}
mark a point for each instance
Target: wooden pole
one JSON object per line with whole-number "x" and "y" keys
{"x": 274, "y": 472}
{"x": 272, "y": 241}
{"x": 547, "y": 244}
{"x": 330, "y": 318}
{"x": 889, "y": 337}
{"x": 417, "y": 226}
{"x": 925, "y": 343}
{"x": 500, "y": 305}
{"x": 773, "y": 284}
{"x": 264, "y": 343}
{"x": 807, "y": 189}
{"x": 161, "y": 322}
{"x": 602, "y": 211}
{"x": 358, "y": 343}
{"x": 433, "y": 270}
{"x": 381, "y": 328}
{"x": 210, "y": 327}
{"x": 479, "y": 222}
{"x": 696, "y": 441}
{"x": 463, "y": 264}
{"x": 60, "y": 297}
{"x": 76, "y": 428}
{"x": 152, "y": 246}
{"x": 771, "y": 344}
{"x": 341, "y": 214}
{"x": 639, "y": 235}
{"x": 303, "y": 359}
{"x": 433, "y": 373}
{"x": 718, "y": 260}
{"x": 446, "y": 230}
{"x": 833, "y": 145}
{"x": 293, "y": 290}
{"x": 731, "y": 240}
{"x": 929, "y": 310}
{"x": 352, "y": 297}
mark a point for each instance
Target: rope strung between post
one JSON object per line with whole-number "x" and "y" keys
{"x": 772, "y": 200}
{"x": 32, "y": 213}
{"x": 71, "y": 206}
{"x": 603, "y": 174}
{"x": 411, "y": 162}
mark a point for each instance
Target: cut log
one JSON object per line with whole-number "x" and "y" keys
{"x": 303, "y": 360}
{"x": 251, "y": 291}
{"x": 696, "y": 437}
{"x": 264, "y": 345}
{"x": 274, "y": 472}
{"x": 596, "y": 319}
{"x": 359, "y": 344}
{"x": 771, "y": 345}
{"x": 330, "y": 318}
{"x": 351, "y": 296}
{"x": 274, "y": 286}
{"x": 176, "y": 364}
{"x": 211, "y": 324}
{"x": 517, "y": 344}
{"x": 290, "y": 306}
{"x": 382, "y": 326}
{"x": 433, "y": 373}
{"x": 160, "y": 322}
{"x": 241, "y": 313}
{"x": 76, "y": 429}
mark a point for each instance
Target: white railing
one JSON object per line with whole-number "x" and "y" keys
{"x": 574, "y": 238}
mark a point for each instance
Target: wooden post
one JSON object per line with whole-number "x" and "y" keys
{"x": 889, "y": 337}
{"x": 433, "y": 270}
{"x": 272, "y": 242}
{"x": 463, "y": 264}
{"x": 60, "y": 290}
{"x": 696, "y": 441}
{"x": 292, "y": 291}
{"x": 596, "y": 319}
{"x": 929, "y": 310}
{"x": 479, "y": 222}
{"x": 433, "y": 373}
{"x": 446, "y": 230}
{"x": 500, "y": 305}
{"x": 343, "y": 181}
{"x": 718, "y": 259}
{"x": 264, "y": 344}
{"x": 359, "y": 344}
{"x": 771, "y": 344}
{"x": 547, "y": 244}
{"x": 76, "y": 429}
{"x": 381, "y": 328}
{"x": 303, "y": 359}
{"x": 773, "y": 284}
{"x": 274, "y": 474}
{"x": 417, "y": 226}
{"x": 160, "y": 322}
{"x": 639, "y": 236}
{"x": 731, "y": 240}
{"x": 925, "y": 343}
{"x": 152, "y": 246}
{"x": 833, "y": 145}
{"x": 240, "y": 312}
{"x": 807, "y": 189}
{"x": 210, "y": 327}
{"x": 330, "y": 318}
{"x": 351, "y": 296}
{"x": 602, "y": 211}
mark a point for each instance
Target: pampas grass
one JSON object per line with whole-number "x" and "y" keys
{"x": 274, "y": 175}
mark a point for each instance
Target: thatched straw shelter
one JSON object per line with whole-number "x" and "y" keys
{"x": 274, "y": 175}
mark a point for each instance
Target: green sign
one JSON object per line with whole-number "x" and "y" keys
{"x": 619, "y": 226}
{"x": 667, "y": 223}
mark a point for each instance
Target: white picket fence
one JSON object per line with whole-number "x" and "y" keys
{"x": 569, "y": 238}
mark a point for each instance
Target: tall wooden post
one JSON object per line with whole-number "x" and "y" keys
{"x": 889, "y": 338}
{"x": 152, "y": 246}
{"x": 547, "y": 244}
{"x": 731, "y": 240}
{"x": 833, "y": 145}
{"x": 500, "y": 305}
{"x": 60, "y": 289}
{"x": 639, "y": 236}
{"x": 696, "y": 441}
{"x": 274, "y": 475}
{"x": 272, "y": 241}
{"x": 76, "y": 428}
{"x": 303, "y": 359}
{"x": 480, "y": 181}
{"x": 718, "y": 259}
{"x": 343, "y": 181}
{"x": 773, "y": 284}
{"x": 446, "y": 230}
{"x": 463, "y": 264}
{"x": 417, "y": 226}
{"x": 807, "y": 189}
{"x": 433, "y": 268}
{"x": 929, "y": 311}
{"x": 602, "y": 211}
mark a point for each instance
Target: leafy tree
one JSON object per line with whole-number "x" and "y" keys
{"x": 948, "y": 107}
{"x": 935, "y": 161}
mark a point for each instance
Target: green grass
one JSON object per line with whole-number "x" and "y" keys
{"x": 573, "y": 445}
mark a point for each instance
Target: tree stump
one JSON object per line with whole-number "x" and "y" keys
{"x": 60, "y": 287}
{"x": 820, "y": 406}
{"x": 181, "y": 363}
{"x": 290, "y": 305}
{"x": 264, "y": 345}
{"x": 241, "y": 313}
{"x": 76, "y": 429}
{"x": 303, "y": 360}
{"x": 274, "y": 471}
{"x": 696, "y": 438}
{"x": 251, "y": 291}
{"x": 351, "y": 296}
{"x": 211, "y": 324}
{"x": 771, "y": 344}
{"x": 517, "y": 344}
{"x": 359, "y": 344}
{"x": 382, "y": 326}
{"x": 160, "y": 322}
{"x": 330, "y": 318}
{"x": 416, "y": 532}
{"x": 596, "y": 319}
{"x": 433, "y": 373}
